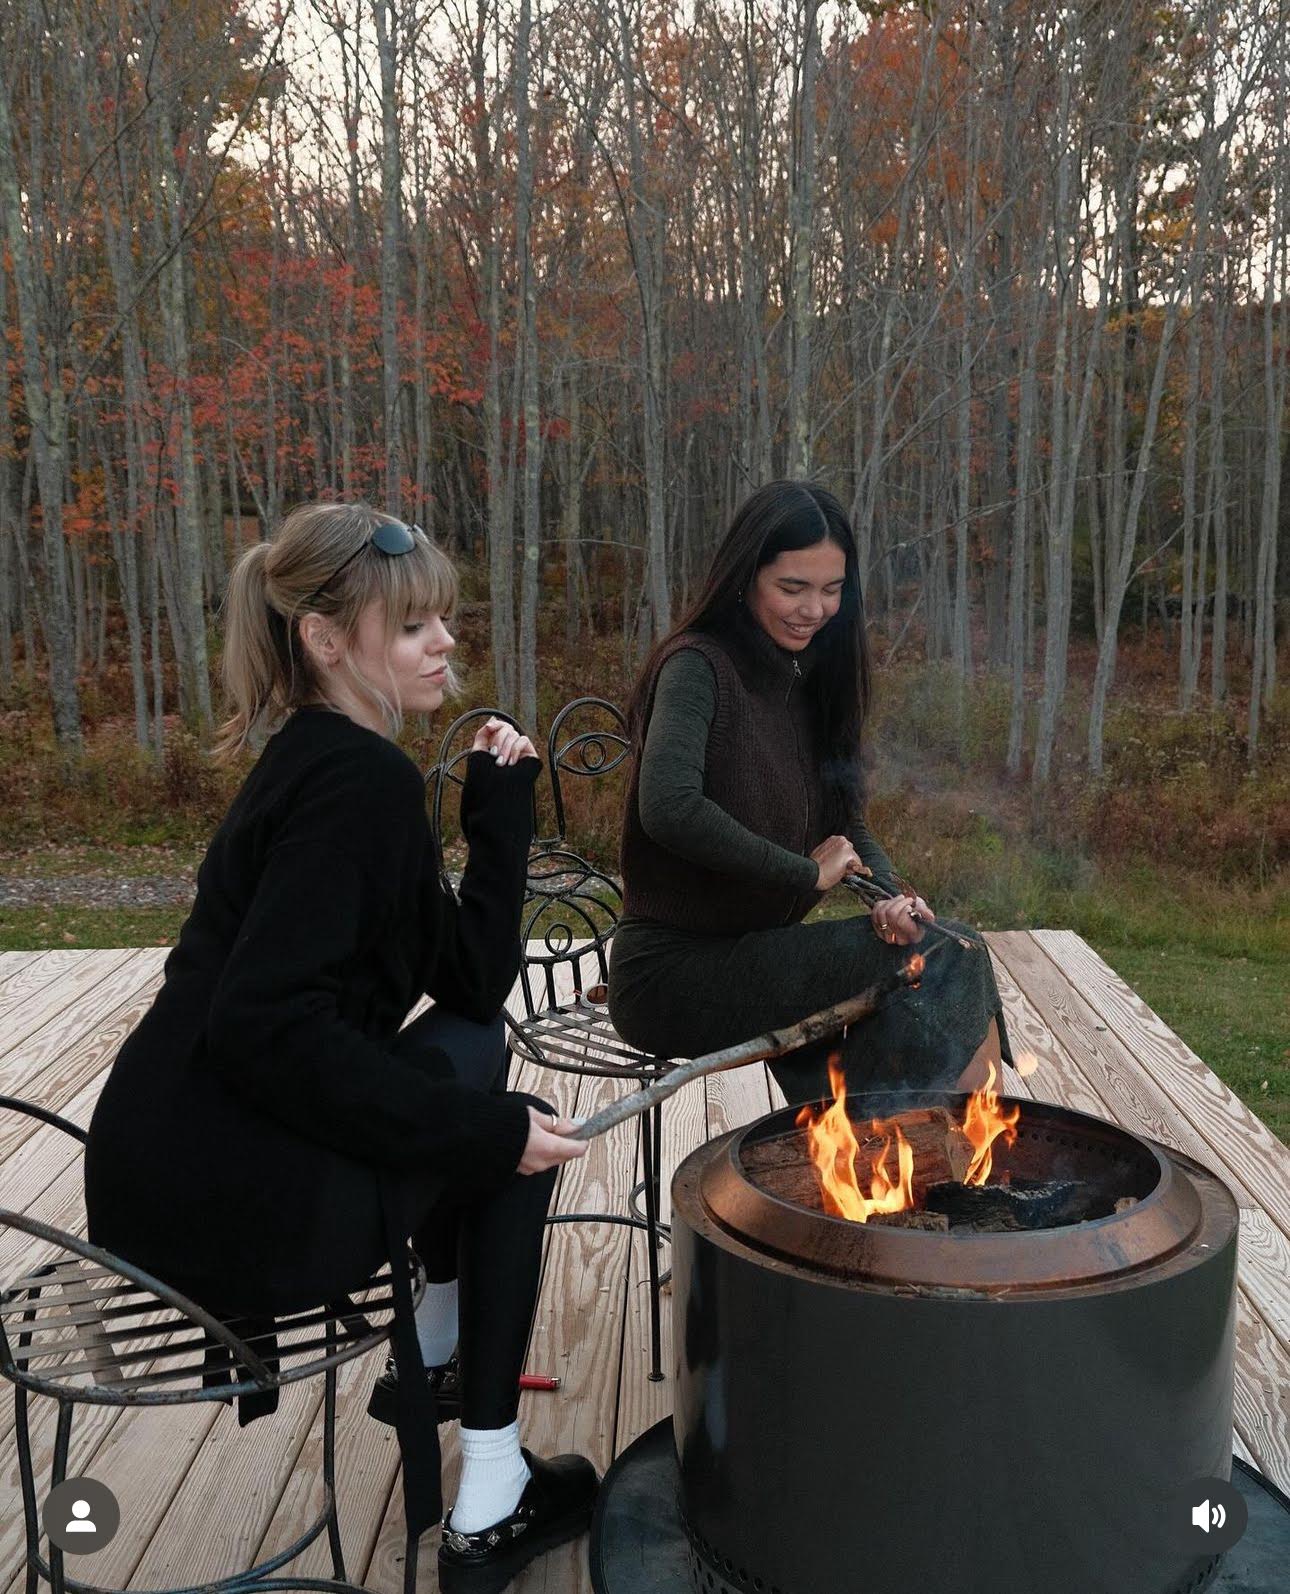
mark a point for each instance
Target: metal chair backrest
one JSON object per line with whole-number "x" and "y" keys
{"x": 447, "y": 775}
{"x": 588, "y": 738}
{"x": 571, "y": 910}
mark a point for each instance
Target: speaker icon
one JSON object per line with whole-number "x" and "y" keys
{"x": 1204, "y": 1516}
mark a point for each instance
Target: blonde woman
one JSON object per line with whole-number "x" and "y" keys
{"x": 269, "y": 1132}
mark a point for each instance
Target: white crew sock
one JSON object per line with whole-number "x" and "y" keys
{"x": 436, "y": 1316}
{"x": 493, "y": 1475}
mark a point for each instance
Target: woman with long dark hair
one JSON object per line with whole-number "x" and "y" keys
{"x": 746, "y": 804}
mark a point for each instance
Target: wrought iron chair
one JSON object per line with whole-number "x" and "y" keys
{"x": 588, "y": 739}
{"x": 447, "y": 775}
{"x": 87, "y": 1327}
{"x": 571, "y": 910}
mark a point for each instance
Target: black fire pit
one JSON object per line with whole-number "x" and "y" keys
{"x": 861, "y": 1407}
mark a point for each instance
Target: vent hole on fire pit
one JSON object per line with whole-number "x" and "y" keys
{"x": 707, "y": 1567}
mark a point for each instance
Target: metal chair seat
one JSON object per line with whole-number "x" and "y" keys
{"x": 79, "y": 1328}
{"x": 579, "y": 1038}
{"x": 86, "y": 1327}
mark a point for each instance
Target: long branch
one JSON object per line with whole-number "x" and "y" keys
{"x": 774, "y": 1043}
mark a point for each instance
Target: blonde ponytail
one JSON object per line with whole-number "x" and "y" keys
{"x": 257, "y": 654}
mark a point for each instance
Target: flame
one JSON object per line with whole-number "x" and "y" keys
{"x": 983, "y": 1122}
{"x": 834, "y": 1150}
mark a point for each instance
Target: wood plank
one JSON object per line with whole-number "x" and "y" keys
{"x": 1265, "y": 1250}
{"x": 577, "y": 1335}
{"x": 1262, "y": 1365}
{"x": 143, "y": 1456}
{"x": 1262, "y": 1394}
{"x": 1265, "y": 1255}
{"x": 736, "y": 1097}
{"x": 90, "y": 1432}
{"x": 68, "y": 1081}
{"x": 367, "y": 1467}
{"x": 11, "y": 965}
{"x": 71, "y": 1018}
{"x": 1135, "y": 1099}
{"x": 642, "y": 1403}
{"x": 1241, "y": 1139}
{"x": 36, "y": 972}
{"x": 60, "y": 978}
{"x": 225, "y": 1501}
{"x": 1265, "y": 1271}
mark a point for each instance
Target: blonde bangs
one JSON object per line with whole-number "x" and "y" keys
{"x": 421, "y": 581}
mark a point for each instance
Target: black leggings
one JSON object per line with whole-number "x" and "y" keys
{"x": 489, "y": 1238}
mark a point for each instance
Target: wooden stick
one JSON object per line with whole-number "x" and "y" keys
{"x": 868, "y": 890}
{"x": 774, "y": 1043}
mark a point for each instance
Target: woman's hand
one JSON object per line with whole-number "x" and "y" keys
{"x": 503, "y": 741}
{"x": 548, "y": 1144}
{"x": 836, "y": 857}
{"x": 894, "y": 921}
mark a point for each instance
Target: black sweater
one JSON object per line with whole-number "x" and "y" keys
{"x": 254, "y": 1103}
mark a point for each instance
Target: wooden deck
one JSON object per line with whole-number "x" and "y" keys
{"x": 201, "y": 1497}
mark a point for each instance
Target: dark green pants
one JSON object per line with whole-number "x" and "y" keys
{"x": 680, "y": 995}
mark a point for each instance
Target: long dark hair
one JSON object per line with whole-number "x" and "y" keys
{"x": 779, "y": 518}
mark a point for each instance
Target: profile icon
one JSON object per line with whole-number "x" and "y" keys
{"x": 80, "y": 1516}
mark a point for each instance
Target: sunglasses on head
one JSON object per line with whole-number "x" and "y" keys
{"x": 391, "y": 538}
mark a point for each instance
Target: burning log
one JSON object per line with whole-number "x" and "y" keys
{"x": 1022, "y": 1204}
{"x": 942, "y": 1152}
{"x": 936, "y": 1222}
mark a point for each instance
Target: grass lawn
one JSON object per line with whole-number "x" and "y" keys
{"x": 32, "y": 929}
{"x": 1232, "y": 1011}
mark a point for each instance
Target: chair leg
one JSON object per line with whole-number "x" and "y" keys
{"x": 329, "y": 1460}
{"x": 410, "y": 1553}
{"x": 62, "y": 1443}
{"x": 27, "y": 1477}
{"x": 649, "y": 1153}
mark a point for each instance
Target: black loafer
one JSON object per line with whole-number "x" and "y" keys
{"x": 555, "y": 1507}
{"x": 443, "y": 1382}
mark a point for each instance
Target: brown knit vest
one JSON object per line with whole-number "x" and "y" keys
{"x": 761, "y": 767}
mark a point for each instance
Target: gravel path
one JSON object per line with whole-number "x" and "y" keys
{"x": 95, "y": 891}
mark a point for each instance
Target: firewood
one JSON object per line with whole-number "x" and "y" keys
{"x": 935, "y": 1221}
{"x": 942, "y": 1153}
{"x": 1024, "y": 1204}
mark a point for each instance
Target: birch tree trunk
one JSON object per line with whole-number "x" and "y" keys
{"x": 385, "y": 15}
{"x": 528, "y": 357}
{"x": 1219, "y": 489}
{"x": 801, "y": 307}
{"x": 188, "y": 516}
{"x": 1058, "y": 541}
{"x": 45, "y": 403}
{"x": 646, "y": 223}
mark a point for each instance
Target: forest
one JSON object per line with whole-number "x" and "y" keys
{"x": 562, "y": 282}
